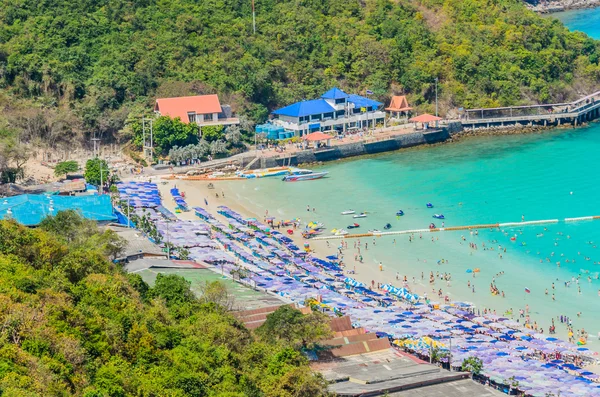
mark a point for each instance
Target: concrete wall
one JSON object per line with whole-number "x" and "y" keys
{"x": 360, "y": 148}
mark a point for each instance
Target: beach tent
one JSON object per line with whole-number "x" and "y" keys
{"x": 426, "y": 119}
{"x": 316, "y": 136}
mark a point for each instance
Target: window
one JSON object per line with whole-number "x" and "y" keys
{"x": 192, "y": 117}
{"x": 328, "y": 115}
{"x": 340, "y": 101}
{"x": 315, "y": 117}
{"x": 339, "y": 113}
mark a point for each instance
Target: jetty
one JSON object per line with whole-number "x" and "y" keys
{"x": 557, "y": 114}
{"x": 459, "y": 228}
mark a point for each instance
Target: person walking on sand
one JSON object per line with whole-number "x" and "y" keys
{"x": 380, "y": 267}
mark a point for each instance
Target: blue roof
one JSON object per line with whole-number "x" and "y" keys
{"x": 30, "y": 209}
{"x": 305, "y": 108}
{"x": 334, "y": 93}
{"x": 361, "y": 101}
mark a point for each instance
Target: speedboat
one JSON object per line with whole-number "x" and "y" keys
{"x": 374, "y": 231}
{"x": 353, "y": 226}
{"x": 304, "y": 175}
{"x": 361, "y": 215}
{"x": 387, "y": 226}
{"x": 429, "y": 205}
{"x": 439, "y": 216}
{"x": 349, "y": 212}
{"x": 399, "y": 213}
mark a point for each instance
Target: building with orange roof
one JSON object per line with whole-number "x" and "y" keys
{"x": 200, "y": 109}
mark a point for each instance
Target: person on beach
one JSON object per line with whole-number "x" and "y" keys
{"x": 380, "y": 267}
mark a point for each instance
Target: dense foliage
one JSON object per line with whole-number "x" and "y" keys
{"x": 74, "y": 324}
{"x": 108, "y": 59}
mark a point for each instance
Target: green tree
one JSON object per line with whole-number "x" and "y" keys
{"x": 96, "y": 171}
{"x": 472, "y": 364}
{"x": 66, "y": 167}
{"x": 212, "y": 133}
{"x": 290, "y": 326}
{"x": 167, "y": 133}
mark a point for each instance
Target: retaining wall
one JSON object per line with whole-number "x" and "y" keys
{"x": 361, "y": 148}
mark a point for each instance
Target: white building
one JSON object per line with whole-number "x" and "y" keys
{"x": 335, "y": 110}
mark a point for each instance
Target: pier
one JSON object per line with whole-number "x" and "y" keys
{"x": 557, "y": 114}
{"x": 457, "y": 228}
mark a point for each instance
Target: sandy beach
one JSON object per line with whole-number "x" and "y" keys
{"x": 368, "y": 273}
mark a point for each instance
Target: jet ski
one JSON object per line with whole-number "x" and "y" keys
{"x": 429, "y": 205}
{"x": 439, "y": 216}
{"x": 387, "y": 226}
{"x": 353, "y": 226}
{"x": 399, "y": 213}
{"x": 361, "y": 215}
{"x": 349, "y": 212}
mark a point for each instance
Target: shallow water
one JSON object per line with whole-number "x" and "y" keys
{"x": 478, "y": 180}
{"x": 586, "y": 20}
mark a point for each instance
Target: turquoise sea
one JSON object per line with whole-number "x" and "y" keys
{"x": 553, "y": 175}
{"x": 586, "y": 20}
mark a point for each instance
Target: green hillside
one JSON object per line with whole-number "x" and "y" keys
{"x": 93, "y": 63}
{"x": 74, "y": 325}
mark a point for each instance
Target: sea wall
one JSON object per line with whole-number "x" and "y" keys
{"x": 548, "y": 6}
{"x": 361, "y": 148}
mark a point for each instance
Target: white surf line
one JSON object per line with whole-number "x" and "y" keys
{"x": 457, "y": 228}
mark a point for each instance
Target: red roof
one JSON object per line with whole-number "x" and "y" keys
{"x": 317, "y": 136}
{"x": 180, "y": 106}
{"x": 398, "y": 104}
{"x": 425, "y": 118}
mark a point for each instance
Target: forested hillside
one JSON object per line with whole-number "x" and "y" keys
{"x": 74, "y": 325}
{"x": 91, "y": 64}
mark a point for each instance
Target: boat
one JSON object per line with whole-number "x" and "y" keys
{"x": 374, "y": 231}
{"x": 348, "y": 212}
{"x": 361, "y": 215}
{"x": 304, "y": 175}
{"x": 429, "y": 205}
{"x": 339, "y": 232}
{"x": 311, "y": 234}
{"x": 264, "y": 173}
{"x": 315, "y": 225}
{"x": 353, "y": 226}
{"x": 439, "y": 216}
{"x": 399, "y": 213}
{"x": 387, "y": 226}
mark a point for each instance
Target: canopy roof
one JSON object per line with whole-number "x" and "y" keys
{"x": 425, "y": 118}
{"x": 361, "y": 101}
{"x": 31, "y": 209}
{"x": 334, "y": 93}
{"x": 398, "y": 104}
{"x": 317, "y": 136}
{"x": 305, "y": 108}
{"x": 320, "y": 106}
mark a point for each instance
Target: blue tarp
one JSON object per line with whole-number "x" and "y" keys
{"x": 30, "y": 209}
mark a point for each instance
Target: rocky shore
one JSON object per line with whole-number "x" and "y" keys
{"x": 549, "y": 6}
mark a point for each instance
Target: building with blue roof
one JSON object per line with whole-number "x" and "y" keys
{"x": 31, "y": 209}
{"x": 334, "y": 111}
